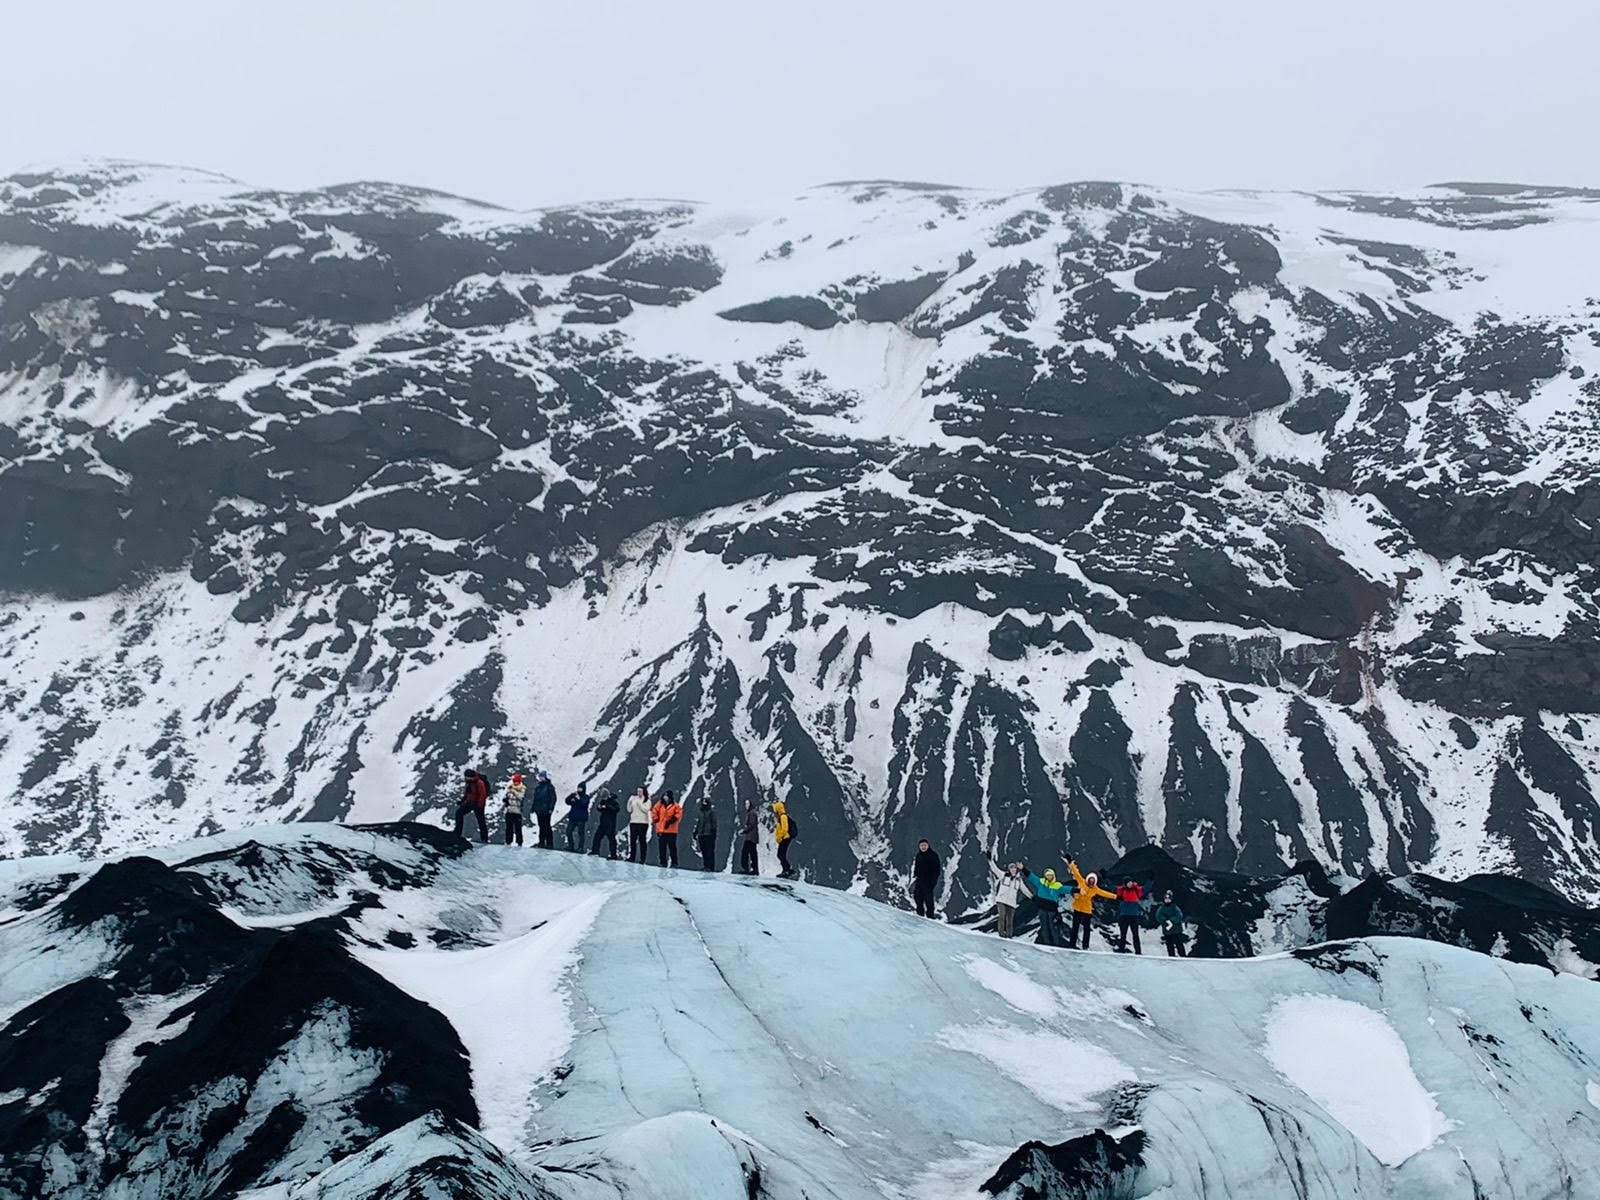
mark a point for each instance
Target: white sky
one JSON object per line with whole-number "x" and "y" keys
{"x": 542, "y": 102}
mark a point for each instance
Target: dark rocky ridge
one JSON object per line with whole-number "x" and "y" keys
{"x": 1137, "y": 527}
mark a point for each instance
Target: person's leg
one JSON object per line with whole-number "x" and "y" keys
{"x": 1080, "y": 923}
{"x": 1172, "y": 947}
{"x": 749, "y": 864}
{"x": 483, "y": 826}
{"x": 547, "y": 833}
{"x": 783, "y": 855}
{"x": 511, "y": 827}
{"x": 1133, "y": 924}
{"x": 1182, "y": 952}
{"x": 1007, "y": 913}
{"x": 661, "y": 849}
{"x": 1047, "y": 922}
{"x": 672, "y": 848}
{"x": 461, "y": 815}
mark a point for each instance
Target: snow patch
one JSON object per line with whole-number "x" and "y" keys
{"x": 1063, "y": 1072}
{"x": 1349, "y": 1059}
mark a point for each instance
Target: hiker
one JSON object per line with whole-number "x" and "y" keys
{"x": 1046, "y": 898}
{"x": 749, "y": 861}
{"x": 1130, "y": 912}
{"x": 516, "y": 804}
{"x": 925, "y": 878}
{"x": 1169, "y": 917}
{"x": 577, "y": 817}
{"x": 783, "y": 833}
{"x": 666, "y": 814}
{"x": 544, "y": 803}
{"x": 1008, "y": 894}
{"x": 638, "y": 824}
{"x": 1083, "y": 903}
{"x": 705, "y": 834}
{"x": 605, "y": 824}
{"x": 474, "y": 799}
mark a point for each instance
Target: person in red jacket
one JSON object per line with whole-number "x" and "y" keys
{"x": 1130, "y": 912}
{"x": 474, "y": 799}
{"x": 666, "y": 814}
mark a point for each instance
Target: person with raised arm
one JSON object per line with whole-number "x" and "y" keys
{"x": 1083, "y": 898}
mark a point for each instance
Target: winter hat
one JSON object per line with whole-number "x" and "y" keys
{"x": 1049, "y": 876}
{"x": 1091, "y": 879}
{"x": 516, "y": 779}
{"x": 1168, "y": 897}
{"x": 544, "y": 774}
{"x": 471, "y": 774}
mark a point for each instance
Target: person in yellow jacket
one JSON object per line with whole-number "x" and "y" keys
{"x": 1083, "y": 903}
{"x": 783, "y": 833}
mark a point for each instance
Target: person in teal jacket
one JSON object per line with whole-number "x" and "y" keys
{"x": 1169, "y": 919}
{"x": 1046, "y": 898}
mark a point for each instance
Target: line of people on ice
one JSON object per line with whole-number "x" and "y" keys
{"x": 1019, "y": 888}
{"x": 659, "y": 820}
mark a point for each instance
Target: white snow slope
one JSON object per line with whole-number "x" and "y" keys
{"x": 641, "y": 1033}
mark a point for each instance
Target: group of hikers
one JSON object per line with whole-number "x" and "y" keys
{"x": 1018, "y": 888}
{"x": 659, "y": 820}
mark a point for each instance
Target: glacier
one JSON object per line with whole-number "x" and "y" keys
{"x": 356, "y": 1013}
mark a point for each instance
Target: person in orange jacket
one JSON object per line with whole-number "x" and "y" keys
{"x": 1083, "y": 903}
{"x": 665, "y": 815}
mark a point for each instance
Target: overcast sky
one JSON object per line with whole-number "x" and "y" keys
{"x": 543, "y": 102}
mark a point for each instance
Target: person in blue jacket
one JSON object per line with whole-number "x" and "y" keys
{"x": 1046, "y": 900}
{"x": 1170, "y": 919}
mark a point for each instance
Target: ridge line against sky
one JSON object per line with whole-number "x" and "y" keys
{"x": 536, "y": 104}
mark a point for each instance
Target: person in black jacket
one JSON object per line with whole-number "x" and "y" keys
{"x": 605, "y": 823}
{"x": 544, "y": 803}
{"x": 577, "y": 817}
{"x": 924, "y": 878}
{"x": 749, "y": 860}
{"x": 473, "y": 801}
{"x": 705, "y": 834}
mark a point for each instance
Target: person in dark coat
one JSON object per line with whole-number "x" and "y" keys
{"x": 605, "y": 824}
{"x": 577, "y": 816}
{"x": 544, "y": 803}
{"x": 749, "y": 859}
{"x": 925, "y": 878}
{"x": 474, "y": 799}
{"x": 705, "y": 834}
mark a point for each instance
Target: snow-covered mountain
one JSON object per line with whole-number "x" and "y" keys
{"x": 321, "y": 1012}
{"x": 1260, "y": 526}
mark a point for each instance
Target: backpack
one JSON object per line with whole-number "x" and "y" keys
{"x": 794, "y": 828}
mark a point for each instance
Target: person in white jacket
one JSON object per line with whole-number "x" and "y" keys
{"x": 1008, "y": 893}
{"x": 638, "y": 824}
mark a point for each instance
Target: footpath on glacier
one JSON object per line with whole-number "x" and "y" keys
{"x": 348, "y": 1013}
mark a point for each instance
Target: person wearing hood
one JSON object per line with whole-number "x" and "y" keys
{"x": 474, "y": 799}
{"x": 925, "y": 871}
{"x": 1046, "y": 890}
{"x": 1008, "y": 894}
{"x": 577, "y": 817}
{"x": 705, "y": 834}
{"x": 1083, "y": 903}
{"x": 543, "y": 804}
{"x": 638, "y": 824}
{"x": 666, "y": 815}
{"x": 1130, "y": 913}
{"x": 783, "y": 834}
{"x": 749, "y": 858}
{"x": 605, "y": 824}
{"x": 516, "y": 808}
{"x": 1169, "y": 918}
